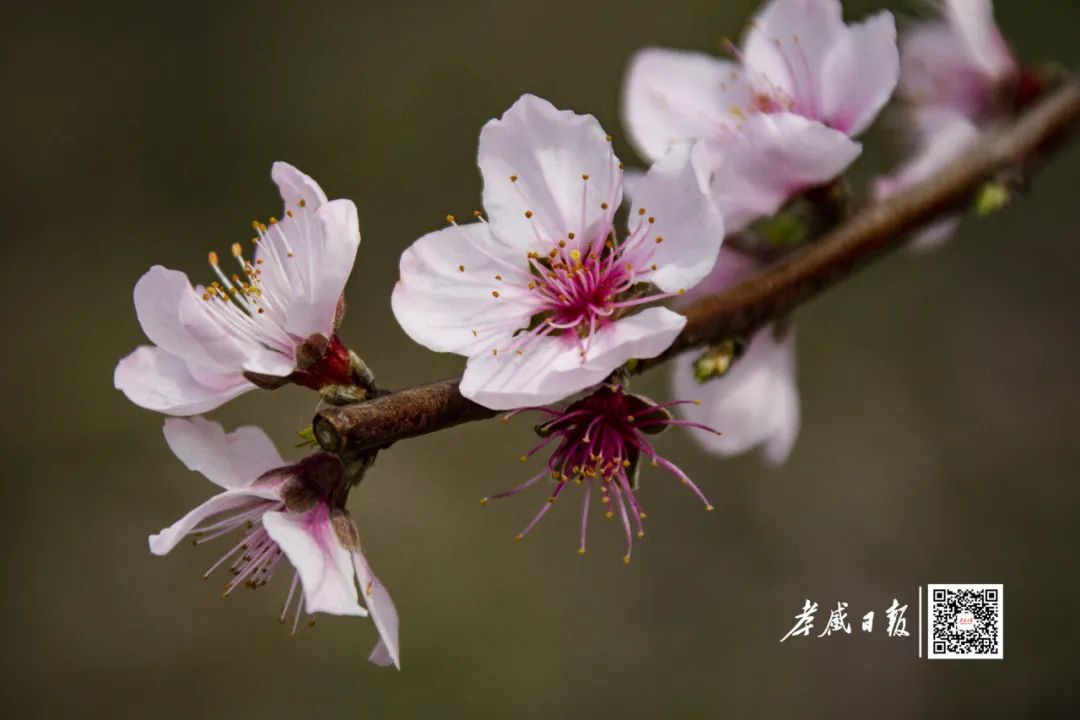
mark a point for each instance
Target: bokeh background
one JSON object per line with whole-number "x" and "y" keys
{"x": 939, "y": 398}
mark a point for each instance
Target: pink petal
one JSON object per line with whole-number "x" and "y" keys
{"x": 295, "y": 186}
{"x": 230, "y": 500}
{"x": 673, "y": 95}
{"x": 643, "y": 335}
{"x": 548, "y": 151}
{"x": 686, "y": 219}
{"x": 325, "y": 566}
{"x": 508, "y": 380}
{"x": 158, "y": 380}
{"x": 755, "y": 404}
{"x": 785, "y": 49}
{"x": 178, "y": 320}
{"x": 860, "y": 74}
{"x": 383, "y": 614}
{"x": 973, "y": 21}
{"x": 773, "y": 158}
{"x": 232, "y": 460}
{"x": 444, "y": 293}
{"x": 551, "y": 368}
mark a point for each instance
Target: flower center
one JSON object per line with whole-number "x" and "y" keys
{"x": 600, "y": 440}
{"x": 253, "y": 302}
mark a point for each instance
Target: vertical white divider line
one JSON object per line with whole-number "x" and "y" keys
{"x": 920, "y": 636}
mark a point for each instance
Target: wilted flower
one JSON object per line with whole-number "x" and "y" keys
{"x": 293, "y": 511}
{"x": 749, "y": 391}
{"x": 957, "y": 77}
{"x": 271, "y": 321}
{"x": 778, "y": 121}
{"x": 600, "y": 441}
{"x": 536, "y": 297}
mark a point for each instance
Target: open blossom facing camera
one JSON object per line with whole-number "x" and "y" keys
{"x": 538, "y": 297}
{"x": 751, "y": 393}
{"x": 269, "y": 321}
{"x": 280, "y": 511}
{"x": 780, "y": 119}
{"x": 600, "y": 440}
{"x": 958, "y": 76}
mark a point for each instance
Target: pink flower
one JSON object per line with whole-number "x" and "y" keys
{"x": 271, "y": 321}
{"x": 601, "y": 438}
{"x": 291, "y": 511}
{"x": 536, "y": 297}
{"x": 781, "y": 119}
{"x": 756, "y": 401}
{"x": 957, "y": 76}
{"x": 957, "y": 63}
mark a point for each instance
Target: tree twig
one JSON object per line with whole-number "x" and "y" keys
{"x": 771, "y": 294}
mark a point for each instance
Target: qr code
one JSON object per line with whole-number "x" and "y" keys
{"x": 965, "y": 622}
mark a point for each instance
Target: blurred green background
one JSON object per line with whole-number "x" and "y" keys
{"x": 939, "y": 398}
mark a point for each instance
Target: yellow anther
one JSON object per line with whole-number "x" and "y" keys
{"x": 477, "y": 213}
{"x": 659, "y": 239}
{"x": 450, "y": 219}
{"x": 642, "y": 515}
{"x": 626, "y": 559}
{"x": 709, "y": 508}
{"x": 212, "y": 257}
{"x": 640, "y": 534}
{"x": 697, "y": 402}
{"x": 237, "y": 251}
{"x": 581, "y": 551}
{"x": 585, "y": 176}
{"x": 609, "y": 514}
{"x": 608, "y": 138}
{"x": 498, "y": 277}
{"x": 629, "y": 418}
{"x": 484, "y": 501}
{"x": 523, "y": 458}
{"x": 575, "y": 255}
{"x": 461, "y": 268}
{"x": 513, "y": 178}
{"x": 517, "y": 538}
{"x": 641, "y": 211}
{"x": 289, "y": 213}
{"x": 494, "y": 293}
{"x": 273, "y": 220}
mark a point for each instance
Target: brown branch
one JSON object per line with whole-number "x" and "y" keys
{"x": 767, "y": 296}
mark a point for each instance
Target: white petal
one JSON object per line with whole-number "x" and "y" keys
{"x": 295, "y": 186}
{"x": 325, "y": 566}
{"x": 686, "y": 219}
{"x": 508, "y": 380}
{"x": 232, "y": 460}
{"x": 755, "y": 404}
{"x": 673, "y": 95}
{"x": 230, "y": 500}
{"x": 548, "y": 151}
{"x": 445, "y": 289}
{"x": 158, "y": 380}
{"x": 773, "y": 158}
{"x": 383, "y": 614}
{"x": 305, "y": 262}
{"x": 177, "y": 319}
{"x": 551, "y": 368}
{"x": 785, "y": 50}
{"x": 974, "y": 22}
{"x": 860, "y": 74}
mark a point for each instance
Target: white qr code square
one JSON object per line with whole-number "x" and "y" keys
{"x": 965, "y": 622}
